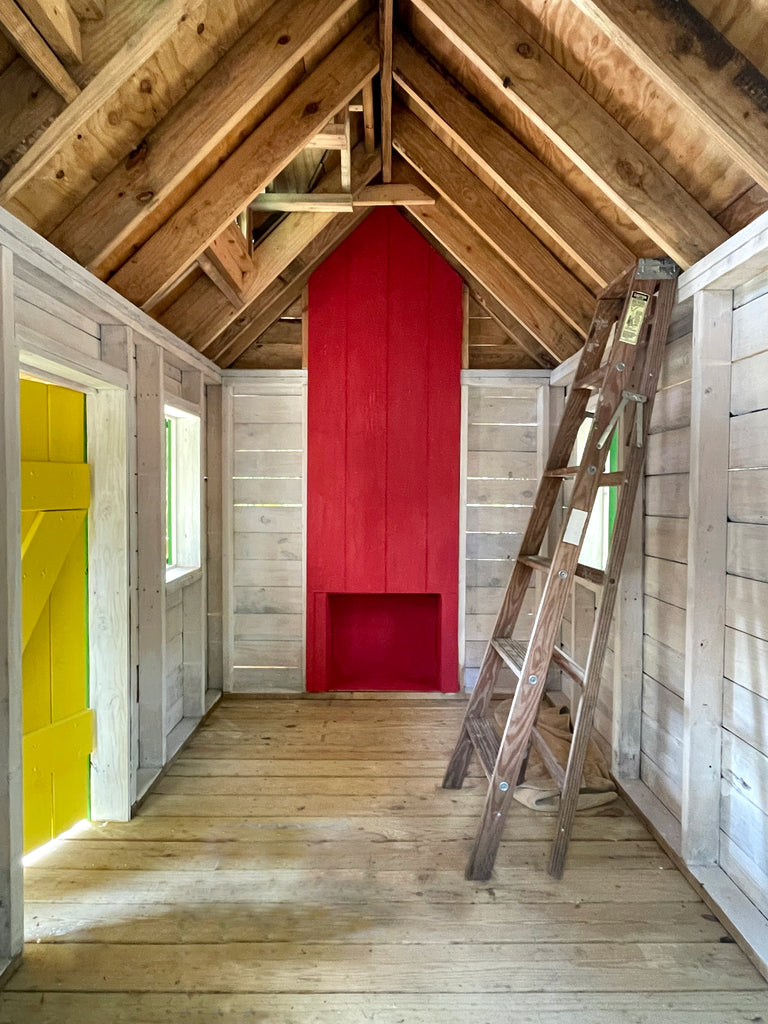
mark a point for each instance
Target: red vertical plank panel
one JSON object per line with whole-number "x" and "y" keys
{"x": 383, "y": 463}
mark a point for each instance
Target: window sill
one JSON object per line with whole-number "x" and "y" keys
{"x": 177, "y": 576}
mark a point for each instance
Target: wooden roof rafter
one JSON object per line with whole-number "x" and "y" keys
{"x": 487, "y": 215}
{"x": 203, "y": 312}
{"x": 515, "y": 64}
{"x": 101, "y": 230}
{"x": 230, "y": 345}
{"x": 529, "y": 184}
{"x": 35, "y": 47}
{"x": 255, "y": 163}
{"x": 472, "y": 251}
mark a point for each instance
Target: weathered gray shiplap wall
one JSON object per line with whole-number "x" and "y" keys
{"x": 665, "y": 575}
{"x": 744, "y": 803}
{"x": 264, "y": 418}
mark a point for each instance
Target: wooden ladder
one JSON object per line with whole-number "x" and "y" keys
{"x": 631, "y": 321}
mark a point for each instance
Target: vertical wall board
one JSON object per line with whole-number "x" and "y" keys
{"x": 11, "y": 842}
{"x": 109, "y": 587}
{"x": 229, "y": 467}
{"x": 707, "y": 536}
{"x": 214, "y": 555}
{"x": 150, "y": 467}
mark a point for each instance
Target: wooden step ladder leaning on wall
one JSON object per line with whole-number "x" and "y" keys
{"x": 631, "y": 321}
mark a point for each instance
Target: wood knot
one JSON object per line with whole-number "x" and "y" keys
{"x": 311, "y": 108}
{"x": 113, "y": 117}
{"x": 283, "y": 40}
{"x": 145, "y": 85}
{"x": 628, "y": 173}
{"x": 525, "y": 50}
{"x": 144, "y": 197}
{"x": 201, "y": 28}
{"x": 507, "y": 82}
{"x": 137, "y": 156}
{"x": 59, "y": 175}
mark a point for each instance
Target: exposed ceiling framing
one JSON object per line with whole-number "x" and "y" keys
{"x": 204, "y": 156}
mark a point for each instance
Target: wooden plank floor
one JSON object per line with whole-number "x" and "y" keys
{"x": 300, "y": 864}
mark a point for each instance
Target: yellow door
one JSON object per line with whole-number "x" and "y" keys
{"x": 58, "y": 726}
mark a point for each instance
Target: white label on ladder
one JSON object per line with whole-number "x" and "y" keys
{"x": 633, "y": 321}
{"x": 576, "y": 523}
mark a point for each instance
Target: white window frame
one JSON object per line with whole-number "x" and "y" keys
{"x": 185, "y": 487}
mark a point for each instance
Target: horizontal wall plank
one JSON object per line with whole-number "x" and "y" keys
{"x": 676, "y": 367}
{"x": 744, "y": 872}
{"x": 746, "y": 661}
{"x": 268, "y": 464}
{"x": 267, "y": 437}
{"x": 484, "y": 406}
{"x": 267, "y": 680}
{"x": 746, "y": 606}
{"x": 660, "y": 785}
{"x": 746, "y": 825}
{"x": 663, "y": 580}
{"x": 668, "y": 452}
{"x": 667, "y": 495}
{"x": 664, "y": 664}
{"x": 663, "y": 706}
{"x": 750, "y": 328}
{"x": 268, "y": 654}
{"x": 268, "y": 600}
{"x": 664, "y": 750}
{"x": 268, "y": 627}
{"x": 276, "y": 546}
{"x": 501, "y": 465}
{"x": 748, "y": 390}
{"x": 267, "y": 491}
{"x": 672, "y": 408}
{"x": 485, "y": 437}
{"x": 268, "y": 409}
{"x": 496, "y": 519}
{"x": 488, "y": 572}
{"x": 267, "y": 519}
{"x": 748, "y": 449}
{"x": 259, "y": 572}
{"x": 748, "y": 550}
{"x": 746, "y": 769}
{"x": 501, "y": 492}
{"x": 748, "y": 495}
{"x": 745, "y": 714}
{"x": 665, "y": 623}
{"x": 666, "y": 538}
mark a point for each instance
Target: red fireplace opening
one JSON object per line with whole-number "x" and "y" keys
{"x": 384, "y": 641}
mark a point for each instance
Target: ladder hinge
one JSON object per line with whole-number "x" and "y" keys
{"x": 657, "y": 270}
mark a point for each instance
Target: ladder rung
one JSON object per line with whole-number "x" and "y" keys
{"x": 485, "y": 742}
{"x": 568, "y": 665}
{"x": 513, "y": 654}
{"x": 592, "y": 381}
{"x": 551, "y": 763}
{"x": 584, "y": 572}
{"x": 606, "y": 479}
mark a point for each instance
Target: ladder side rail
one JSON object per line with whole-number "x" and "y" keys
{"x": 607, "y": 313}
{"x": 633, "y": 468}
{"x": 620, "y": 371}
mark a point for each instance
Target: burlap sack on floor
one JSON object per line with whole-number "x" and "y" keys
{"x": 539, "y": 791}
